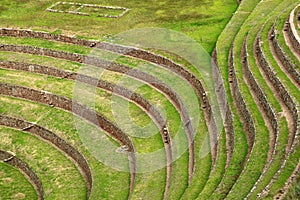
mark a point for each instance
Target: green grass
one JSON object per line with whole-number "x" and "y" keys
{"x": 65, "y": 7}
{"x": 202, "y": 164}
{"x": 45, "y": 44}
{"x": 202, "y": 20}
{"x": 14, "y": 185}
{"x": 58, "y": 174}
{"x": 294, "y": 92}
{"x": 292, "y": 161}
{"x": 143, "y": 146}
{"x": 217, "y": 172}
{"x": 294, "y": 191}
{"x": 141, "y": 15}
{"x": 101, "y": 11}
{"x": 252, "y": 34}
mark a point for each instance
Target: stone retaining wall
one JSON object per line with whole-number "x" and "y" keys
{"x": 25, "y": 169}
{"x": 79, "y": 110}
{"x": 227, "y": 114}
{"x": 119, "y": 90}
{"x": 240, "y": 103}
{"x": 290, "y": 29}
{"x": 175, "y": 98}
{"x": 283, "y": 94}
{"x": 266, "y": 108}
{"x": 55, "y": 140}
{"x": 287, "y": 100}
{"x": 67, "y": 104}
{"x": 288, "y": 185}
{"x": 44, "y": 35}
{"x": 137, "y": 53}
{"x": 116, "y": 89}
{"x": 271, "y": 117}
{"x": 284, "y": 59}
{"x": 292, "y": 37}
{"x": 101, "y": 64}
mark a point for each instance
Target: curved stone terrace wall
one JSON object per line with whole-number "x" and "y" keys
{"x": 240, "y": 103}
{"x": 58, "y": 142}
{"x": 78, "y": 109}
{"x": 266, "y": 109}
{"x": 291, "y": 31}
{"x": 171, "y": 94}
{"x": 283, "y": 94}
{"x": 281, "y": 55}
{"x": 116, "y": 89}
{"x": 133, "y": 52}
{"x": 25, "y": 169}
{"x": 222, "y": 98}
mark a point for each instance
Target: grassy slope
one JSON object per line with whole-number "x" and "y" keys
{"x": 197, "y": 23}
{"x": 282, "y": 138}
{"x": 105, "y": 178}
{"x": 15, "y": 184}
{"x": 294, "y": 92}
{"x": 55, "y": 85}
{"x": 257, "y": 159}
{"x": 179, "y": 172}
{"x": 202, "y": 20}
{"x": 223, "y": 45}
{"x": 58, "y": 174}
